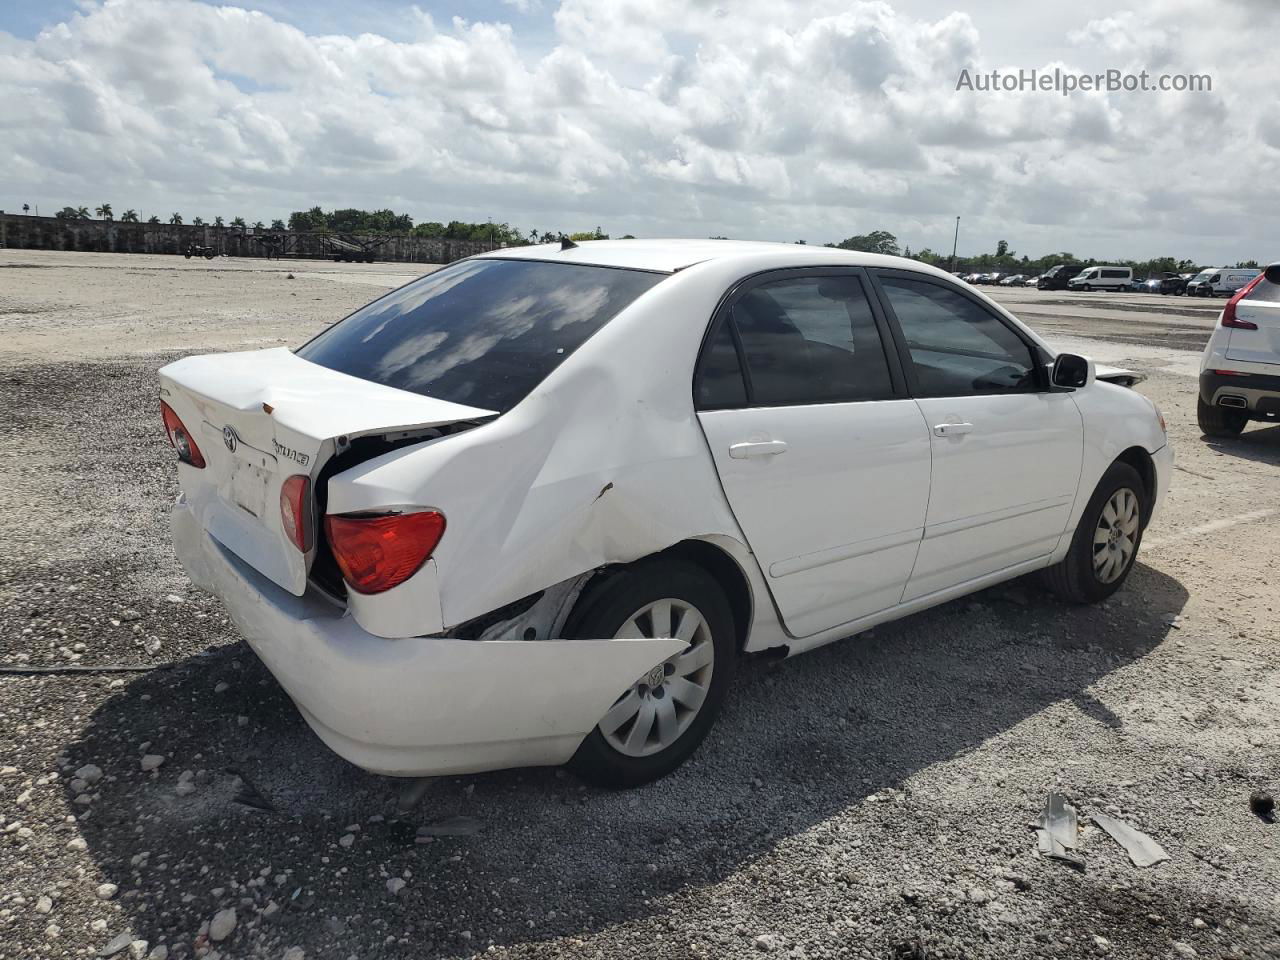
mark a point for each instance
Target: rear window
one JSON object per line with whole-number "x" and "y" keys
{"x": 1265, "y": 292}
{"x": 480, "y": 332}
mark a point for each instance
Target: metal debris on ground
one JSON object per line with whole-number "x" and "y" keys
{"x": 1142, "y": 850}
{"x": 1263, "y": 805}
{"x": 455, "y": 826}
{"x": 1057, "y": 831}
{"x": 249, "y": 795}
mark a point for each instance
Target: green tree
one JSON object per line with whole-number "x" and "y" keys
{"x": 1002, "y": 248}
{"x": 877, "y": 241}
{"x": 217, "y": 221}
{"x": 104, "y": 211}
{"x": 129, "y": 216}
{"x": 278, "y": 224}
{"x": 238, "y": 222}
{"x": 176, "y": 219}
{"x": 153, "y": 219}
{"x": 68, "y": 213}
{"x": 197, "y": 221}
{"x": 82, "y": 213}
{"x": 258, "y": 225}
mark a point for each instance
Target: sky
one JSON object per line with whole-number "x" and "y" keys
{"x": 806, "y": 120}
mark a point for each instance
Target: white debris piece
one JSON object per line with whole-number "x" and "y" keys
{"x": 1142, "y": 850}
{"x": 223, "y": 922}
{"x": 151, "y": 761}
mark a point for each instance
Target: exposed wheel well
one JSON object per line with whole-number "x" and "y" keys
{"x": 722, "y": 567}
{"x": 727, "y": 573}
{"x": 1141, "y": 461}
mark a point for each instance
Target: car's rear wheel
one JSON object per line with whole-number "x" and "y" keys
{"x": 659, "y": 720}
{"x": 1220, "y": 421}
{"x": 1086, "y": 287}
{"x": 1106, "y": 541}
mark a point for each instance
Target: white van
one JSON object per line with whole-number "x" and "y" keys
{"x": 1101, "y": 278}
{"x": 1220, "y": 281}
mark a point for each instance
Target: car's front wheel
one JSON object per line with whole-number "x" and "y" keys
{"x": 1106, "y": 540}
{"x": 1220, "y": 421}
{"x": 658, "y": 721}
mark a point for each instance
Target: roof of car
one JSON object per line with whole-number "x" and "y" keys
{"x": 670, "y": 255}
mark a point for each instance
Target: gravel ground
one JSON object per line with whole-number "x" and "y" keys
{"x": 870, "y": 799}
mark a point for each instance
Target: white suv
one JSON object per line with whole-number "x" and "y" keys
{"x": 1240, "y": 371}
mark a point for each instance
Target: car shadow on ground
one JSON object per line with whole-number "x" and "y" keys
{"x": 542, "y": 856}
{"x": 1259, "y": 442}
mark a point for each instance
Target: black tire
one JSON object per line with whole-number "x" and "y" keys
{"x": 1220, "y": 421}
{"x": 1086, "y": 288}
{"x": 603, "y": 609}
{"x": 1075, "y": 578}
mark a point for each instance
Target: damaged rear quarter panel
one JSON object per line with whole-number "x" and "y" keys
{"x": 602, "y": 463}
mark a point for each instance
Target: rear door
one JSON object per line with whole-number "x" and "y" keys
{"x": 823, "y": 458}
{"x": 1006, "y": 451}
{"x": 1260, "y": 307}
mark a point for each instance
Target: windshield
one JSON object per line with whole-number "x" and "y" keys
{"x": 1203, "y": 275}
{"x": 480, "y": 332}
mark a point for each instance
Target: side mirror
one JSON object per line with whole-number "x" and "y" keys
{"x": 1070, "y": 371}
{"x": 1272, "y": 273}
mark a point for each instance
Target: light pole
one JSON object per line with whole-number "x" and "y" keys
{"x": 954, "y": 241}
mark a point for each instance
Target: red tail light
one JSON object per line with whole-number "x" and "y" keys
{"x": 1229, "y": 318}
{"x": 188, "y": 452}
{"x": 295, "y": 510}
{"x": 375, "y": 553}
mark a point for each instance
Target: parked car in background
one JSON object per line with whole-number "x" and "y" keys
{"x": 1057, "y": 276}
{"x": 1014, "y": 280}
{"x": 532, "y": 508}
{"x": 1101, "y": 278}
{"x": 1240, "y": 368}
{"x": 1220, "y": 281}
{"x": 1177, "y": 285}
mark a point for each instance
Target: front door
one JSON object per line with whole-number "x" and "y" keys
{"x": 823, "y": 458}
{"x": 1006, "y": 451}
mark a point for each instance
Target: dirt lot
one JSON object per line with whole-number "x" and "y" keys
{"x": 871, "y": 799}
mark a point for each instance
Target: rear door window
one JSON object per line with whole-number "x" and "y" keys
{"x": 480, "y": 332}
{"x": 807, "y": 339}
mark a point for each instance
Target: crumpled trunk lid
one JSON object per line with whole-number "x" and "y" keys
{"x": 260, "y": 417}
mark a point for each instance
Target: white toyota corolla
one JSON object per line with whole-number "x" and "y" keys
{"x": 530, "y": 509}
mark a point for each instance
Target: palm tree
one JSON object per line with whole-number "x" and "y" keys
{"x": 82, "y": 213}
{"x": 217, "y": 221}
{"x": 278, "y": 224}
{"x": 176, "y": 219}
{"x": 238, "y": 222}
{"x": 104, "y": 211}
{"x": 153, "y": 219}
{"x": 197, "y": 221}
{"x": 258, "y": 226}
{"x": 129, "y": 216}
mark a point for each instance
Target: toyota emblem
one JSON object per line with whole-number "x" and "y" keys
{"x": 230, "y": 439}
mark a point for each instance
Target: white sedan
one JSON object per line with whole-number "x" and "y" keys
{"x": 531, "y": 508}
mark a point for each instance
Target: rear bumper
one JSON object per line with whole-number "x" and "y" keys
{"x": 418, "y": 706}
{"x": 1259, "y": 391}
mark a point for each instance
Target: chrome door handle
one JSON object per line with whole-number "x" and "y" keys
{"x": 765, "y": 448}
{"x": 953, "y": 429}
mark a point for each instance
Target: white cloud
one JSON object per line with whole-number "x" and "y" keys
{"x": 812, "y": 120}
